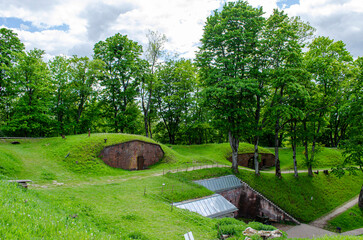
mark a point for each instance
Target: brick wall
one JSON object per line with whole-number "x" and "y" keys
{"x": 267, "y": 159}
{"x": 125, "y": 155}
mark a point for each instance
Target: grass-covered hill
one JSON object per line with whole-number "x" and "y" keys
{"x": 74, "y": 195}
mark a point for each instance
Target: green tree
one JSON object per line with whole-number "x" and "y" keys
{"x": 353, "y": 145}
{"x": 153, "y": 53}
{"x": 225, "y": 57}
{"x": 328, "y": 63}
{"x": 174, "y": 94}
{"x": 10, "y": 50}
{"x": 62, "y": 99}
{"x": 285, "y": 39}
{"x": 31, "y": 114}
{"x": 122, "y": 58}
{"x": 84, "y": 77}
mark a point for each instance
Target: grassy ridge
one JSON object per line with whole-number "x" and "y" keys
{"x": 348, "y": 220}
{"x": 325, "y": 158}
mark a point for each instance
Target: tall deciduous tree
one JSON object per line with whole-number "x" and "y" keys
{"x": 328, "y": 63}
{"x": 10, "y": 50}
{"x": 62, "y": 99}
{"x": 174, "y": 94}
{"x": 285, "y": 40}
{"x": 153, "y": 53}
{"x": 121, "y": 56}
{"x": 229, "y": 45}
{"x": 353, "y": 145}
{"x": 31, "y": 117}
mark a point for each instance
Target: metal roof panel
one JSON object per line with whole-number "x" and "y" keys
{"x": 211, "y": 206}
{"x": 220, "y": 184}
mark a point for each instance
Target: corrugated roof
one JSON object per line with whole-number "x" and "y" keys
{"x": 220, "y": 184}
{"x": 211, "y": 206}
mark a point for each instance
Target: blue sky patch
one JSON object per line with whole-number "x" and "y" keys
{"x": 287, "y": 3}
{"x": 18, "y": 23}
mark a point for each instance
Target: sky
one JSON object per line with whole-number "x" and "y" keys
{"x": 70, "y": 27}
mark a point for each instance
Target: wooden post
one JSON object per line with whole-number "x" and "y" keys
{"x": 89, "y": 132}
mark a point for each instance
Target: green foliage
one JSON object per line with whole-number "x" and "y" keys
{"x": 174, "y": 94}
{"x": 30, "y": 116}
{"x": 122, "y": 57}
{"x": 10, "y": 50}
{"x": 230, "y": 226}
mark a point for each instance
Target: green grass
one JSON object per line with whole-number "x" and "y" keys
{"x": 325, "y": 158}
{"x": 306, "y": 198}
{"x": 348, "y": 220}
{"x": 110, "y": 203}
{"x": 213, "y": 152}
{"x": 25, "y": 216}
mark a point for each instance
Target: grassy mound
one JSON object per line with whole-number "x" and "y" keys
{"x": 325, "y": 158}
{"x": 306, "y": 198}
{"x": 213, "y": 152}
{"x": 348, "y": 220}
{"x": 9, "y": 164}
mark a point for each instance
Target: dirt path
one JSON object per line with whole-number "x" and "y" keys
{"x": 321, "y": 222}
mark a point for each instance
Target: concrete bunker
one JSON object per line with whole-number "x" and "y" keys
{"x": 132, "y": 155}
{"x": 250, "y": 203}
{"x": 247, "y": 160}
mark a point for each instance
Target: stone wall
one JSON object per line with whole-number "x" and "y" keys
{"x": 133, "y": 155}
{"x": 246, "y": 160}
{"x": 252, "y": 204}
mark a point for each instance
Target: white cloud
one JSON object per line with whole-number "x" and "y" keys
{"x": 337, "y": 19}
{"x": 181, "y": 21}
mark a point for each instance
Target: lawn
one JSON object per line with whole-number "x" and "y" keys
{"x": 74, "y": 195}
{"x": 348, "y": 220}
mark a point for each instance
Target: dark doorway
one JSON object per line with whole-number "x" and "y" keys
{"x": 251, "y": 163}
{"x": 140, "y": 163}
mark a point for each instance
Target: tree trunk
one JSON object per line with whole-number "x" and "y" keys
{"x": 255, "y": 156}
{"x": 234, "y": 142}
{"x": 360, "y": 199}
{"x": 257, "y": 137}
{"x": 146, "y": 124}
{"x": 294, "y": 158}
{"x": 293, "y": 145}
{"x": 277, "y": 160}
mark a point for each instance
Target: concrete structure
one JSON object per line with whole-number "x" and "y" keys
{"x": 132, "y": 155}
{"x": 246, "y": 160}
{"x": 250, "y": 203}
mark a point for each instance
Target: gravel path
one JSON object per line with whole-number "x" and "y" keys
{"x": 307, "y": 231}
